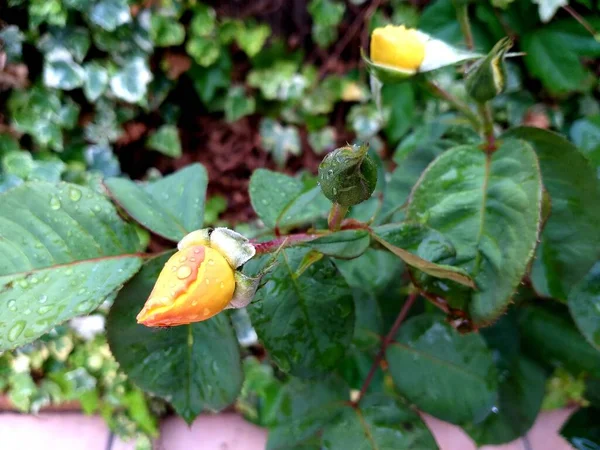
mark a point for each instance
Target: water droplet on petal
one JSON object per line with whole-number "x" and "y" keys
{"x": 173, "y": 268}
{"x": 206, "y": 312}
{"x": 222, "y": 285}
{"x": 74, "y": 194}
{"x": 196, "y": 250}
{"x": 16, "y": 330}
{"x": 54, "y": 204}
{"x": 207, "y": 281}
{"x": 211, "y": 262}
{"x": 184, "y": 272}
{"x": 183, "y": 259}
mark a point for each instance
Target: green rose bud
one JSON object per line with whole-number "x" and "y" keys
{"x": 487, "y": 77}
{"x": 348, "y": 175}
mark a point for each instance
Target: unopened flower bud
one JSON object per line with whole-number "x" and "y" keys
{"x": 348, "y": 175}
{"x": 487, "y": 77}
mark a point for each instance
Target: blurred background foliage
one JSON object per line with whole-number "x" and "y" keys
{"x": 92, "y": 89}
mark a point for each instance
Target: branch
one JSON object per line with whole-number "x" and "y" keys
{"x": 283, "y": 242}
{"x": 385, "y": 343}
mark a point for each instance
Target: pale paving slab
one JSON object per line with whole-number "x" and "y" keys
{"x": 72, "y": 431}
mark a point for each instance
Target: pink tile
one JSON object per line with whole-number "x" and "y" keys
{"x": 52, "y": 431}
{"x": 211, "y": 432}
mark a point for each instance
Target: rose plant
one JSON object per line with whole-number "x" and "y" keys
{"x": 456, "y": 293}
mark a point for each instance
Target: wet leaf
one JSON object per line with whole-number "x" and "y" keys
{"x": 281, "y": 141}
{"x": 444, "y": 373}
{"x": 131, "y": 82}
{"x": 345, "y": 244}
{"x": 489, "y": 207}
{"x": 306, "y": 321}
{"x": 166, "y": 141}
{"x": 171, "y": 207}
{"x": 584, "y": 304}
{"x": 109, "y": 14}
{"x": 63, "y": 251}
{"x": 96, "y": 81}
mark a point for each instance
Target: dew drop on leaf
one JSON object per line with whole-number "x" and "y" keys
{"x": 16, "y": 330}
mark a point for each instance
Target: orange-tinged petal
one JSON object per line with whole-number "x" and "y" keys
{"x": 196, "y": 283}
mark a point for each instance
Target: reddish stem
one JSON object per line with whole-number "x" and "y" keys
{"x": 385, "y": 343}
{"x": 282, "y": 242}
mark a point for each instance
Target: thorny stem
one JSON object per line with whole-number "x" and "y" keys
{"x": 283, "y": 242}
{"x": 336, "y": 215}
{"x": 436, "y": 90}
{"x": 462, "y": 14}
{"x": 385, "y": 343}
{"x": 485, "y": 111}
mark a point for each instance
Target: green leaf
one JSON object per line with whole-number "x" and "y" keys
{"x": 109, "y": 14}
{"x": 522, "y": 389}
{"x": 280, "y": 200}
{"x": 280, "y": 141}
{"x": 204, "y": 50}
{"x": 489, "y": 206}
{"x": 251, "y": 39}
{"x": 326, "y": 15}
{"x": 400, "y": 99}
{"x": 303, "y": 408}
{"x": 379, "y": 422}
{"x": 171, "y": 207}
{"x": 166, "y": 141}
{"x": 584, "y": 304}
{"x": 554, "y": 341}
{"x": 237, "y": 104}
{"x": 74, "y": 40}
{"x": 63, "y": 251}
{"x": 397, "y": 237}
{"x": 204, "y": 20}
{"x": 444, "y": 373}
{"x": 166, "y": 31}
{"x": 61, "y": 72}
{"x": 194, "y": 367}
{"x": 345, "y": 244}
{"x": 208, "y": 81}
{"x": 585, "y": 134}
{"x": 323, "y": 140}
{"x": 304, "y": 320}
{"x": 131, "y": 82}
{"x": 12, "y": 42}
{"x": 548, "y": 58}
{"x": 96, "y": 81}
{"x": 570, "y": 242}
{"x": 582, "y": 430}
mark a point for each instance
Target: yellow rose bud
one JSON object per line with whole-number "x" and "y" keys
{"x": 199, "y": 280}
{"x": 398, "y": 47}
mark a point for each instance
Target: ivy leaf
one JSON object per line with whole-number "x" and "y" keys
{"x": 444, "y": 373}
{"x": 194, "y": 367}
{"x": 305, "y": 320}
{"x": 294, "y": 205}
{"x": 237, "y": 104}
{"x": 323, "y": 140}
{"x": 326, "y": 15}
{"x": 280, "y": 141}
{"x": 570, "y": 242}
{"x": 101, "y": 158}
{"x": 74, "y": 40}
{"x": 584, "y": 304}
{"x": 171, "y": 207}
{"x": 131, "y": 82}
{"x": 77, "y": 253}
{"x": 96, "y": 81}
{"x": 109, "y": 14}
{"x": 12, "y": 39}
{"x": 166, "y": 141}
{"x": 554, "y": 341}
{"x": 379, "y": 422}
{"x": 204, "y": 21}
{"x": 166, "y": 31}
{"x": 61, "y": 72}
{"x": 495, "y": 198}
{"x": 204, "y": 50}
{"x": 251, "y": 38}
